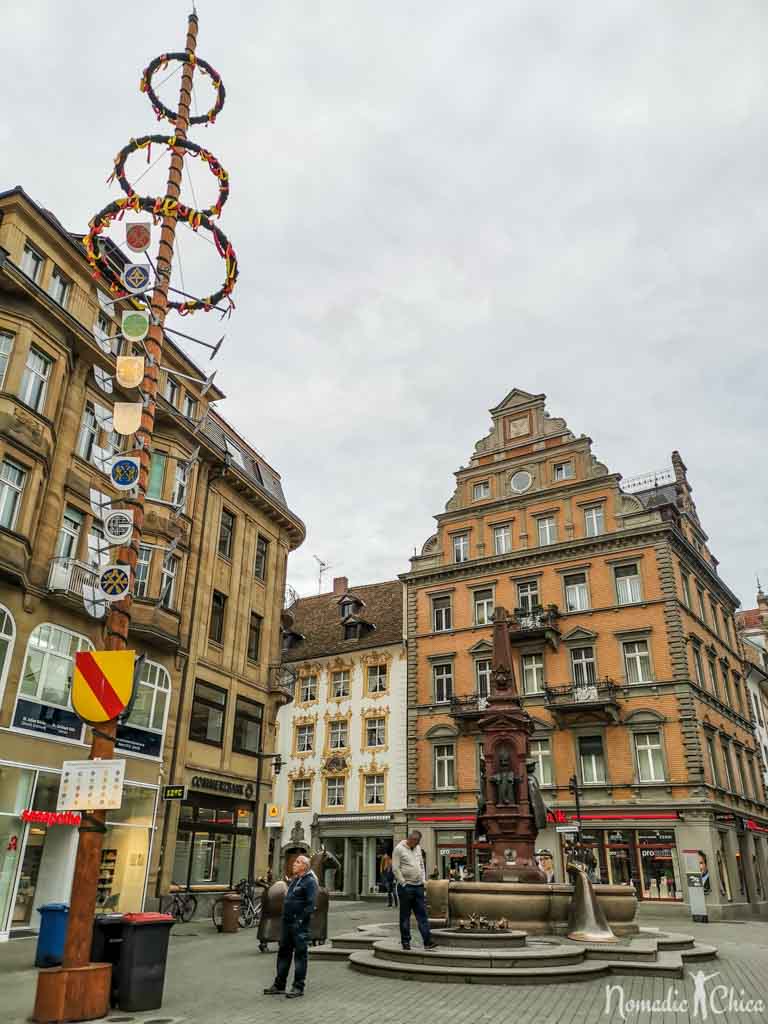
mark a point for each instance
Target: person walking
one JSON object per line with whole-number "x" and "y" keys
{"x": 408, "y": 869}
{"x": 298, "y": 905}
{"x": 388, "y": 877}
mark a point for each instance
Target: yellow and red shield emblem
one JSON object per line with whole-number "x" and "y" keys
{"x": 102, "y": 685}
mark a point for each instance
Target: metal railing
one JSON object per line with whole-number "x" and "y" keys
{"x": 645, "y": 481}
{"x": 602, "y": 692}
{"x": 535, "y": 618}
{"x": 67, "y": 575}
{"x": 471, "y": 704}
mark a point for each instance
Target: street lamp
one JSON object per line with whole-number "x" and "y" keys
{"x": 277, "y": 764}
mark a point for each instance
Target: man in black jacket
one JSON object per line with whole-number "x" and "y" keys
{"x": 300, "y": 900}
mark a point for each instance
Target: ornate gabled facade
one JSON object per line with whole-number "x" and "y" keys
{"x": 625, "y": 650}
{"x": 343, "y": 737}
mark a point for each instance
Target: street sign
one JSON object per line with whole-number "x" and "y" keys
{"x": 113, "y": 582}
{"x": 138, "y": 235}
{"x": 567, "y": 829}
{"x": 91, "y": 785}
{"x": 124, "y": 472}
{"x": 136, "y": 277}
{"x": 174, "y": 792}
{"x": 273, "y": 816}
{"x": 102, "y": 684}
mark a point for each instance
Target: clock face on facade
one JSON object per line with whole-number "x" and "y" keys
{"x": 518, "y": 427}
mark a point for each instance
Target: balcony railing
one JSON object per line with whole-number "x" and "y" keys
{"x": 534, "y": 619}
{"x": 598, "y": 697}
{"x": 469, "y": 706}
{"x": 68, "y": 576}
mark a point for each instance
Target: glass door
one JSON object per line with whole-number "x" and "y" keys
{"x": 16, "y": 786}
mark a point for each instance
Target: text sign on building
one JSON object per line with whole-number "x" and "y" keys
{"x": 51, "y": 817}
{"x": 174, "y": 792}
{"x": 91, "y": 785}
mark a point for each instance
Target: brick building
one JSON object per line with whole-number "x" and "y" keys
{"x": 625, "y": 651}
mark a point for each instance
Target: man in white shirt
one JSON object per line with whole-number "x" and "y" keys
{"x": 408, "y": 869}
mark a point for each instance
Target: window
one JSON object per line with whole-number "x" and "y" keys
{"x": 627, "y": 584}
{"x": 308, "y": 689}
{"x": 715, "y": 616}
{"x": 260, "y": 563}
{"x": 576, "y": 593}
{"x": 637, "y": 661}
{"x": 34, "y": 383}
{"x": 483, "y": 604}
{"x": 481, "y": 490}
{"x": 209, "y": 706}
{"x": 702, "y": 606}
{"x": 740, "y": 772}
{"x": 547, "y": 530}
{"x": 302, "y": 793}
{"x": 713, "y": 769}
{"x": 305, "y": 738}
{"x": 374, "y": 789}
{"x": 583, "y": 665}
{"x": 49, "y": 664}
{"x": 168, "y": 572}
{"x": 59, "y": 288}
{"x": 6, "y": 344}
{"x": 461, "y": 547}
{"x": 71, "y": 523}
{"x": 226, "y": 533}
{"x": 442, "y": 679}
{"x": 712, "y": 675}
{"x": 375, "y": 732}
{"x": 483, "y": 677}
{"x": 698, "y": 667}
{"x": 377, "y": 679}
{"x": 156, "y": 475}
{"x": 502, "y": 540}
{"x": 7, "y": 638}
{"x": 445, "y": 766}
{"x": 301, "y": 796}
{"x": 686, "y": 589}
{"x": 32, "y": 263}
{"x": 528, "y": 597}
{"x": 141, "y": 580}
{"x": 335, "y": 789}
{"x": 12, "y": 478}
{"x": 650, "y": 763}
{"x": 441, "y": 614}
{"x": 533, "y": 673}
{"x": 190, "y": 407}
{"x": 179, "y": 492}
{"x": 98, "y": 549}
{"x": 218, "y": 608}
{"x": 254, "y": 637}
{"x": 153, "y": 694}
{"x": 564, "y": 471}
{"x": 756, "y": 709}
{"x": 351, "y": 631}
{"x": 340, "y": 684}
{"x": 338, "y": 735}
{"x": 726, "y": 748}
{"x": 101, "y": 328}
{"x": 594, "y": 521}
{"x": 171, "y": 391}
{"x": 591, "y": 759}
{"x": 246, "y": 738}
{"x": 542, "y": 755}
{"x": 726, "y": 683}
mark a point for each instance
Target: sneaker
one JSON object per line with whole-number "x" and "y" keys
{"x": 272, "y": 991}
{"x": 430, "y": 945}
{"x": 294, "y": 993}
{"x": 406, "y": 946}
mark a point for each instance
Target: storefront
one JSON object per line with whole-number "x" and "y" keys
{"x": 359, "y": 842}
{"x": 644, "y": 857}
{"x": 448, "y": 842}
{"x": 38, "y": 846}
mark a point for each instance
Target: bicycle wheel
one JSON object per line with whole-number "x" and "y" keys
{"x": 248, "y": 916}
{"x": 188, "y": 907}
{"x": 217, "y": 913}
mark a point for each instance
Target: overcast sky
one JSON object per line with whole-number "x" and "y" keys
{"x": 434, "y": 202}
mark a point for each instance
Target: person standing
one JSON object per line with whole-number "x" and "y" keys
{"x": 388, "y": 878}
{"x": 298, "y": 905}
{"x": 408, "y": 869}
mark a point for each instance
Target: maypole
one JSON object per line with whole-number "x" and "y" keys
{"x": 79, "y": 990}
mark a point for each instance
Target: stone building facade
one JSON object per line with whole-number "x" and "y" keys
{"x": 625, "y": 651}
{"x": 208, "y": 594}
{"x": 343, "y": 737}
{"x": 752, "y": 624}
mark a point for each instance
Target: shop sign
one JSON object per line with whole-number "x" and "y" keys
{"x": 752, "y": 826}
{"x": 245, "y": 789}
{"x": 138, "y": 741}
{"x": 723, "y": 818}
{"x": 453, "y": 851}
{"x": 273, "y": 816}
{"x": 51, "y": 817}
{"x": 567, "y": 829}
{"x": 556, "y": 817}
{"x": 174, "y": 792}
{"x": 44, "y": 718}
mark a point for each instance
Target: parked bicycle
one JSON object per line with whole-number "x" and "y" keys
{"x": 182, "y": 905}
{"x": 251, "y": 897}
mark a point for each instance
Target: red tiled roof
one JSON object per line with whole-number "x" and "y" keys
{"x": 749, "y": 618}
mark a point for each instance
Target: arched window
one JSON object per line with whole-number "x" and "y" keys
{"x": 49, "y": 662}
{"x": 149, "y": 712}
{"x": 7, "y": 638}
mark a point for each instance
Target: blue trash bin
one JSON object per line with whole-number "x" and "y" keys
{"x": 53, "y": 931}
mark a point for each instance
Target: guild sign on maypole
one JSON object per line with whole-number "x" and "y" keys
{"x": 103, "y": 681}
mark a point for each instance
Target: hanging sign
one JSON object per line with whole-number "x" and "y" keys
{"x": 125, "y": 472}
{"x": 113, "y": 582}
{"x": 273, "y": 816}
{"x": 130, "y": 371}
{"x": 136, "y": 277}
{"x": 135, "y": 324}
{"x": 138, "y": 235}
{"x": 102, "y": 684}
{"x": 126, "y": 416}
{"x": 91, "y": 785}
{"x": 118, "y": 525}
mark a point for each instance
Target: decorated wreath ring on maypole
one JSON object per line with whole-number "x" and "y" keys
{"x": 184, "y": 58}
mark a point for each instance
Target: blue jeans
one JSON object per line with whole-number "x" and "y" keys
{"x": 294, "y": 944}
{"x": 412, "y": 899}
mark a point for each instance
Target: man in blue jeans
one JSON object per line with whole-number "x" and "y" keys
{"x": 408, "y": 869}
{"x": 300, "y": 900}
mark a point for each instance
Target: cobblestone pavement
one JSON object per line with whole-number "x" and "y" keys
{"x": 219, "y": 978}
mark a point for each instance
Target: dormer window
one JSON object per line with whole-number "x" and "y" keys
{"x": 352, "y": 631}
{"x": 347, "y": 608}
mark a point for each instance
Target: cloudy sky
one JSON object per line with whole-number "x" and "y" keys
{"x": 434, "y": 202}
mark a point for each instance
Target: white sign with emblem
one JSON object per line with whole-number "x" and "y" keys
{"x": 118, "y": 525}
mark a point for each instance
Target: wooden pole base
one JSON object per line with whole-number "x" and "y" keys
{"x": 72, "y": 993}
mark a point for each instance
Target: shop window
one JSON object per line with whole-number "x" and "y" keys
{"x": 533, "y": 673}
{"x": 660, "y": 869}
{"x": 7, "y": 639}
{"x": 591, "y": 760}
{"x": 483, "y": 606}
{"x": 12, "y": 480}
{"x": 305, "y": 738}
{"x": 594, "y": 521}
{"x": 445, "y": 766}
{"x": 527, "y": 597}
{"x": 335, "y": 791}
{"x": 628, "y": 590}
{"x": 49, "y": 664}
{"x": 502, "y": 540}
{"x": 218, "y": 611}
{"x": 340, "y": 684}
{"x": 637, "y": 661}
{"x": 209, "y": 707}
{"x": 483, "y": 677}
{"x": 541, "y": 753}
{"x": 461, "y": 547}
{"x": 301, "y": 793}
{"x": 757, "y": 870}
{"x": 723, "y": 875}
{"x": 377, "y": 679}
{"x": 308, "y": 689}
{"x": 34, "y": 383}
{"x": 260, "y": 562}
{"x": 547, "y": 530}
{"x": 246, "y": 737}
{"x": 226, "y": 533}
{"x": 375, "y": 732}
{"x": 650, "y": 763}
{"x": 442, "y": 680}
{"x": 254, "y": 637}
{"x": 334, "y": 877}
{"x": 441, "y": 614}
{"x": 338, "y": 735}
{"x": 576, "y": 592}
{"x": 374, "y": 790}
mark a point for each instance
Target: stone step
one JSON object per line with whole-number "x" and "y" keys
{"x": 472, "y": 959}
{"x": 354, "y": 940}
{"x": 646, "y": 951}
{"x": 368, "y": 963}
{"x": 328, "y": 952}
{"x": 700, "y": 951}
{"x": 670, "y": 940}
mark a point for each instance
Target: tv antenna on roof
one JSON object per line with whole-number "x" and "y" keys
{"x": 322, "y": 567}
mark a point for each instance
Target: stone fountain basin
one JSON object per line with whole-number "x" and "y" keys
{"x": 531, "y": 907}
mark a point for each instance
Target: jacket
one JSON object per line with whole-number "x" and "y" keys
{"x": 300, "y": 899}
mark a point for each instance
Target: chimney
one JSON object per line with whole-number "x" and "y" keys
{"x": 340, "y": 585}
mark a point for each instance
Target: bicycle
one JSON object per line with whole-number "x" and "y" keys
{"x": 250, "y": 905}
{"x": 183, "y": 906}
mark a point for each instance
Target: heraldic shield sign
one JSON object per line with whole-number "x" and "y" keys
{"x": 136, "y": 277}
{"x": 126, "y": 416}
{"x": 102, "y": 684}
{"x": 134, "y": 325}
{"x": 113, "y": 582}
{"x": 138, "y": 235}
{"x": 129, "y": 371}
{"x": 125, "y": 472}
